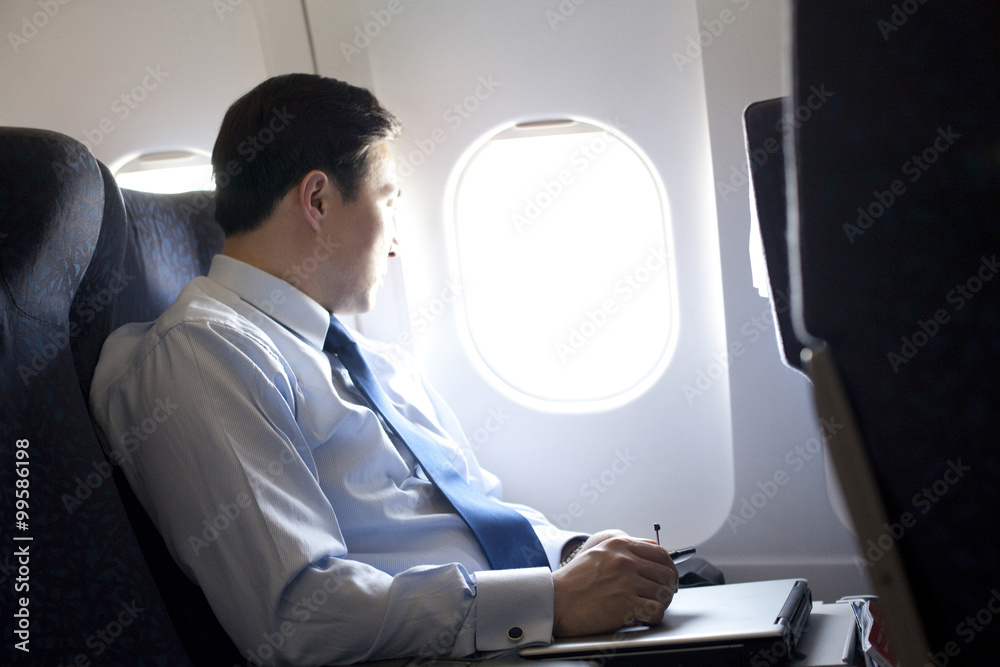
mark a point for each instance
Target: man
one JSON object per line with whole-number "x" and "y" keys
{"x": 316, "y": 535}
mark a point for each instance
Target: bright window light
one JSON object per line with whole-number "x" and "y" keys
{"x": 564, "y": 254}
{"x": 167, "y": 172}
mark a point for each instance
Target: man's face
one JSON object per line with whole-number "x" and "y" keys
{"x": 364, "y": 231}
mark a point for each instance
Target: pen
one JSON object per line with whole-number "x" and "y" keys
{"x": 681, "y": 555}
{"x": 678, "y": 556}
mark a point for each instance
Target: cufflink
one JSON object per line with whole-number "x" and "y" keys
{"x": 515, "y": 633}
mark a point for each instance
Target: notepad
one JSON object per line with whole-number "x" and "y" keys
{"x": 733, "y": 624}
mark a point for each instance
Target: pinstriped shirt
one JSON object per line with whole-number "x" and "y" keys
{"x": 315, "y": 536}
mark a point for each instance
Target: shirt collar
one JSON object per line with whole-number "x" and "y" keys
{"x": 274, "y": 297}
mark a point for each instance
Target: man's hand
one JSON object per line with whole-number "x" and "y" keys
{"x": 614, "y": 580}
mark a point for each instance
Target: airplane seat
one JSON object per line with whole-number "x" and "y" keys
{"x": 762, "y": 125}
{"x": 160, "y": 242}
{"x": 763, "y": 128}
{"x": 892, "y": 238}
{"x": 86, "y": 569}
{"x": 78, "y": 259}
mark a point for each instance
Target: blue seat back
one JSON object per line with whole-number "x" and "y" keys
{"x": 78, "y": 258}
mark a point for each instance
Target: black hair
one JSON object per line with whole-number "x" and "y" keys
{"x": 286, "y": 127}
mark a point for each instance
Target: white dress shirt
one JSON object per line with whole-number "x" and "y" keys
{"x": 315, "y": 536}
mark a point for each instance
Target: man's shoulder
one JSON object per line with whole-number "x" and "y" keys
{"x": 201, "y": 302}
{"x": 202, "y": 313}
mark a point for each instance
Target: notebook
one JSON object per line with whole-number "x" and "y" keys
{"x": 736, "y": 624}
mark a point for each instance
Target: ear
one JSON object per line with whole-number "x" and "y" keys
{"x": 314, "y": 192}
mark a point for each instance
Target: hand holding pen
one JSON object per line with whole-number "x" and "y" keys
{"x": 614, "y": 579}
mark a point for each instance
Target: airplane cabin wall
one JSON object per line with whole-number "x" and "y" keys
{"x": 636, "y": 67}
{"x": 131, "y": 76}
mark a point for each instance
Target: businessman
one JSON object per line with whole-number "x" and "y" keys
{"x": 320, "y": 493}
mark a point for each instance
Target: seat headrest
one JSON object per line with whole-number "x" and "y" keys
{"x": 51, "y": 205}
{"x": 150, "y": 247}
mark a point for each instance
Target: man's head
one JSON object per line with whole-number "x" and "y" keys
{"x": 286, "y": 127}
{"x": 307, "y": 187}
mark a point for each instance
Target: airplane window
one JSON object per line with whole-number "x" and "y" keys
{"x": 561, "y": 233}
{"x": 167, "y": 172}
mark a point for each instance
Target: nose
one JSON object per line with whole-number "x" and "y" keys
{"x": 394, "y": 244}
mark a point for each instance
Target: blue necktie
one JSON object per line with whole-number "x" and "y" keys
{"x": 507, "y": 538}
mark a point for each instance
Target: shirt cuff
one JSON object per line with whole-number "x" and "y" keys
{"x": 513, "y": 608}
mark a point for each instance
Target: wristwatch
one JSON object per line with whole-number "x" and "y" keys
{"x": 573, "y": 553}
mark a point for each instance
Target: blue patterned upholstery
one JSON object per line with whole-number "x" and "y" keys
{"x": 78, "y": 258}
{"x": 155, "y": 244}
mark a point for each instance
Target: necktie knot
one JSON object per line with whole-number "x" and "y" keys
{"x": 337, "y": 337}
